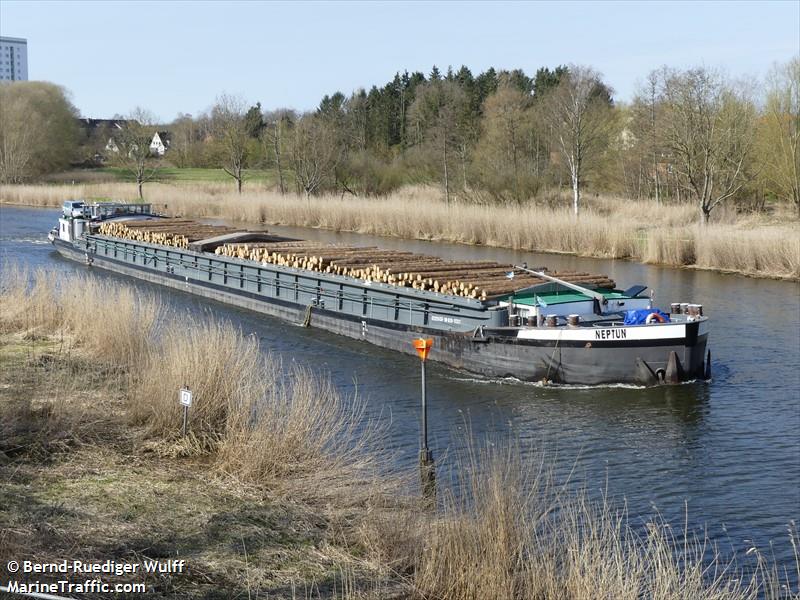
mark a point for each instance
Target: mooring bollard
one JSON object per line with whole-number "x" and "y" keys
{"x": 186, "y": 401}
{"x": 427, "y": 469}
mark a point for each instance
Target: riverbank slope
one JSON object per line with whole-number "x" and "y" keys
{"x": 759, "y": 245}
{"x": 280, "y": 488}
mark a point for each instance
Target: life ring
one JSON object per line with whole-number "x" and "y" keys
{"x": 654, "y": 317}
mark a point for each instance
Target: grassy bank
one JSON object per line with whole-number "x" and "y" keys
{"x": 274, "y": 493}
{"x": 159, "y": 175}
{"x": 760, "y": 246}
{"x": 258, "y": 498}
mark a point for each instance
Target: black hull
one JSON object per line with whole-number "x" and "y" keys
{"x": 497, "y": 356}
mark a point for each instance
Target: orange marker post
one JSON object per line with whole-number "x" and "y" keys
{"x": 426, "y": 466}
{"x": 423, "y": 347}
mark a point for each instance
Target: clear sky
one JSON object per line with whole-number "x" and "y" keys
{"x": 172, "y": 57}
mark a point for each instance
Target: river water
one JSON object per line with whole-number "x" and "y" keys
{"x": 726, "y": 453}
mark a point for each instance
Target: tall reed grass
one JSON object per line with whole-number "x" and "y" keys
{"x": 608, "y": 227}
{"x": 513, "y": 533}
{"x": 258, "y": 420}
{"x": 49, "y": 328}
{"x": 510, "y": 533}
{"x": 114, "y": 322}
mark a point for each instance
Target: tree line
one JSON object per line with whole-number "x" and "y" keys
{"x": 505, "y": 137}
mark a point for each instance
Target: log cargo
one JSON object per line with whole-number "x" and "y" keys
{"x": 469, "y": 279}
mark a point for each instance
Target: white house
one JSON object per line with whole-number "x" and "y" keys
{"x": 160, "y": 143}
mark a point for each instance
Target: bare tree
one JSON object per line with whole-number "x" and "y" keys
{"x": 709, "y": 130}
{"x": 642, "y": 150}
{"x": 230, "y": 128}
{"x": 435, "y": 117}
{"x": 185, "y": 141}
{"x": 779, "y": 133}
{"x": 502, "y": 153}
{"x": 578, "y": 111}
{"x": 652, "y": 102}
{"x": 132, "y": 143}
{"x": 16, "y": 135}
{"x": 273, "y": 138}
{"x": 314, "y": 152}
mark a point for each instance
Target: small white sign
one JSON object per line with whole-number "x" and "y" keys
{"x": 186, "y": 397}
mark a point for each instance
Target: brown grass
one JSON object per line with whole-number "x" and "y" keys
{"x": 115, "y": 322}
{"x": 260, "y": 421}
{"x": 300, "y": 425}
{"x": 513, "y": 534}
{"x": 510, "y": 533}
{"x": 609, "y": 227}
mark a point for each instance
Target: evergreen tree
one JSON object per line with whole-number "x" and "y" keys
{"x": 546, "y": 80}
{"x": 254, "y": 121}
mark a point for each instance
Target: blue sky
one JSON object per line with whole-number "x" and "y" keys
{"x": 172, "y": 57}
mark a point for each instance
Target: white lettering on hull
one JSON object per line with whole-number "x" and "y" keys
{"x": 611, "y": 334}
{"x": 591, "y": 334}
{"x": 441, "y": 319}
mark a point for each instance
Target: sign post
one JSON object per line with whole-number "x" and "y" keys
{"x": 427, "y": 470}
{"x": 186, "y": 402}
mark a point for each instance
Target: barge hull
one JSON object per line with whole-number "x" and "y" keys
{"x": 493, "y": 355}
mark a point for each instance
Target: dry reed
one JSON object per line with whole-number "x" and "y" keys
{"x": 261, "y": 421}
{"x": 510, "y": 533}
{"x": 300, "y": 425}
{"x": 513, "y": 534}
{"x": 114, "y": 322}
{"x": 213, "y": 360}
{"x": 608, "y": 227}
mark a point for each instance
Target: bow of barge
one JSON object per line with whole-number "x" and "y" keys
{"x": 486, "y": 318}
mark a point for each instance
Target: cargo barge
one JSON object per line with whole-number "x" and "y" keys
{"x": 485, "y": 318}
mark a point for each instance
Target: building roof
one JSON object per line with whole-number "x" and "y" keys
{"x": 87, "y": 123}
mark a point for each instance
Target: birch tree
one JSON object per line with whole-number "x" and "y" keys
{"x": 273, "y": 137}
{"x": 708, "y": 129}
{"x": 578, "y": 112}
{"x": 132, "y": 143}
{"x": 231, "y": 130}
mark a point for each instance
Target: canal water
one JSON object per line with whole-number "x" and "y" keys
{"x": 724, "y": 453}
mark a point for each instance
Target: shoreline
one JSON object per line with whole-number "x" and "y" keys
{"x": 718, "y": 270}
{"x": 744, "y": 246}
{"x": 295, "y": 498}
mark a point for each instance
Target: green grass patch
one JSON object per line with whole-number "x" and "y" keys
{"x": 190, "y": 175}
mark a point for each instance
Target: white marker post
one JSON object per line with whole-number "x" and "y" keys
{"x": 186, "y": 402}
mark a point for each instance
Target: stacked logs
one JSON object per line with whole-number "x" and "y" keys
{"x": 469, "y": 279}
{"x": 166, "y": 232}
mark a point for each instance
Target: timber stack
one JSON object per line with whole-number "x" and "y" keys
{"x": 469, "y": 279}
{"x": 165, "y": 232}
